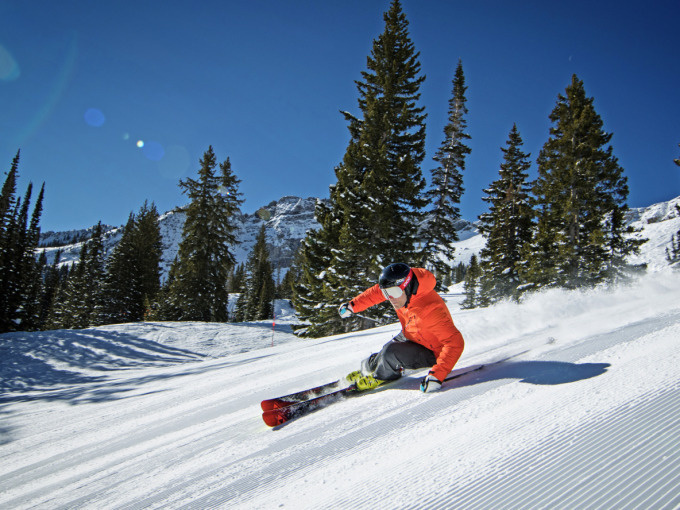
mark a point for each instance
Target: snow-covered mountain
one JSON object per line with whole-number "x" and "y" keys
{"x": 167, "y": 415}
{"x": 286, "y": 221}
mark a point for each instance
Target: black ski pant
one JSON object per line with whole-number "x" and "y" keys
{"x": 395, "y": 356}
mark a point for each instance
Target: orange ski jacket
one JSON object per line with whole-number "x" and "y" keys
{"x": 425, "y": 320}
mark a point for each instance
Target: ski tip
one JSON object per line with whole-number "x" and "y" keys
{"x": 273, "y": 403}
{"x": 273, "y": 418}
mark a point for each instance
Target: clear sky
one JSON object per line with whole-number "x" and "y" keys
{"x": 83, "y": 84}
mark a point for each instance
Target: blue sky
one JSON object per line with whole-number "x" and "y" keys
{"x": 83, "y": 84}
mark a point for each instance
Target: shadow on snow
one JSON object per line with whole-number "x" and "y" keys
{"x": 531, "y": 372}
{"x": 83, "y": 366}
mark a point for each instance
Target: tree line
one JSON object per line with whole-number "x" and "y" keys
{"x": 125, "y": 285}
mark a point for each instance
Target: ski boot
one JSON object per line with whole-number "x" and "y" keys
{"x": 363, "y": 382}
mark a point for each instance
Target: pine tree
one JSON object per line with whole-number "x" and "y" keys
{"x": 8, "y": 246}
{"x": 237, "y": 279}
{"x": 507, "y": 227}
{"x": 20, "y": 274}
{"x": 163, "y": 308}
{"x": 447, "y": 183}
{"x": 120, "y": 293}
{"x": 79, "y": 300}
{"x": 13, "y": 249}
{"x": 286, "y": 288}
{"x": 471, "y": 286}
{"x": 459, "y": 272}
{"x": 256, "y": 301}
{"x": 89, "y": 288}
{"x": 673, "y": 251}
{"x": 59, "y": 316}
{"x": 53, "y": 278}
{"x": 392, "y": 141}
{"x": 312, "y": 298}
{"x": 199, "y": 289}
{"x": 133, "y": 270}
{"x": 8, "y": 198}
{"x": 376, "y": 205}
{"x": 31, "y": 271}
{"x": 581, "y": 197}
{"x": 148, "y": 244}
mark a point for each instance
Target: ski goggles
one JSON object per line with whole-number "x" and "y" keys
{"x": 392, "y": 292}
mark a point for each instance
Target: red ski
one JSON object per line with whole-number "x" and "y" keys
{"x": 301, "y": 396}
{"x": 278, "y": 411}
{"x": 280, "y": 415}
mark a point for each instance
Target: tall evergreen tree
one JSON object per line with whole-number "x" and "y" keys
{"x": 257, "y": 299}
{"x": 447, "y": 183}
{"x": 199, "y": 289}
{"x": 507, "y": 226}
{"x": 8, "y": 196}
{"x": 133, "y": 270}
{"x": 286, "y": 288}
{"x": 472, "y": 284}
{"x": 149, "y": 246}
{"x": 237, "y": 279}
{"x": 122, "y": 269}
{"x": 53, "y": 277}
{"x": 20, "y": 274}
{"x": 8, "y": 246}
{"x": 581, "y": 197}
{"x": 65, "y": 297}
{"x": 376, "y": 205}
{"x": 11, "y": 275}
{"x": 80, "y": 299}
{"x": 312, "y": 298}
{"x": 31, "y": 271}
{"x": 89, "y": 288}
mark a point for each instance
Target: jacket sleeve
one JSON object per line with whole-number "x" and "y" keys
{"x": 370, "y": 297}
{"x": 435, "y": 326}
{"x": 452, "y": 348}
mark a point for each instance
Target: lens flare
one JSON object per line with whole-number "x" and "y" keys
{"x": 140, "y": 143}
{"x": 153, "y": 151}
{"x": 176, "y": 162}
{"x": 9, "y": 69}
{"x": 94, "y": 117}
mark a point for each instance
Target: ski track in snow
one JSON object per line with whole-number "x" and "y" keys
{"x": 587, "y": 418}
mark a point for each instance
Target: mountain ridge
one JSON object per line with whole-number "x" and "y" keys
{"x": 288, "y": 219}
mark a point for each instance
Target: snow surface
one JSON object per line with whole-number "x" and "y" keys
{"x": 167, "y": 415}
{"x": 159, "y": 415}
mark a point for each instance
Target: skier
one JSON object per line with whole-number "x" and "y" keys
{"x": 428, "y": 336}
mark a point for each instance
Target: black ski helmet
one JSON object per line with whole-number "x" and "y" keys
{"x": 399, "y": 275}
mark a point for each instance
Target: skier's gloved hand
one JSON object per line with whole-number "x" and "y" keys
{"x": 345, "y": 310}
{"x": 430, "y": 384}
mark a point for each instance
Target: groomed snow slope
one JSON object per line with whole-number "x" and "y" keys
{"x": 159, "y": 415}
